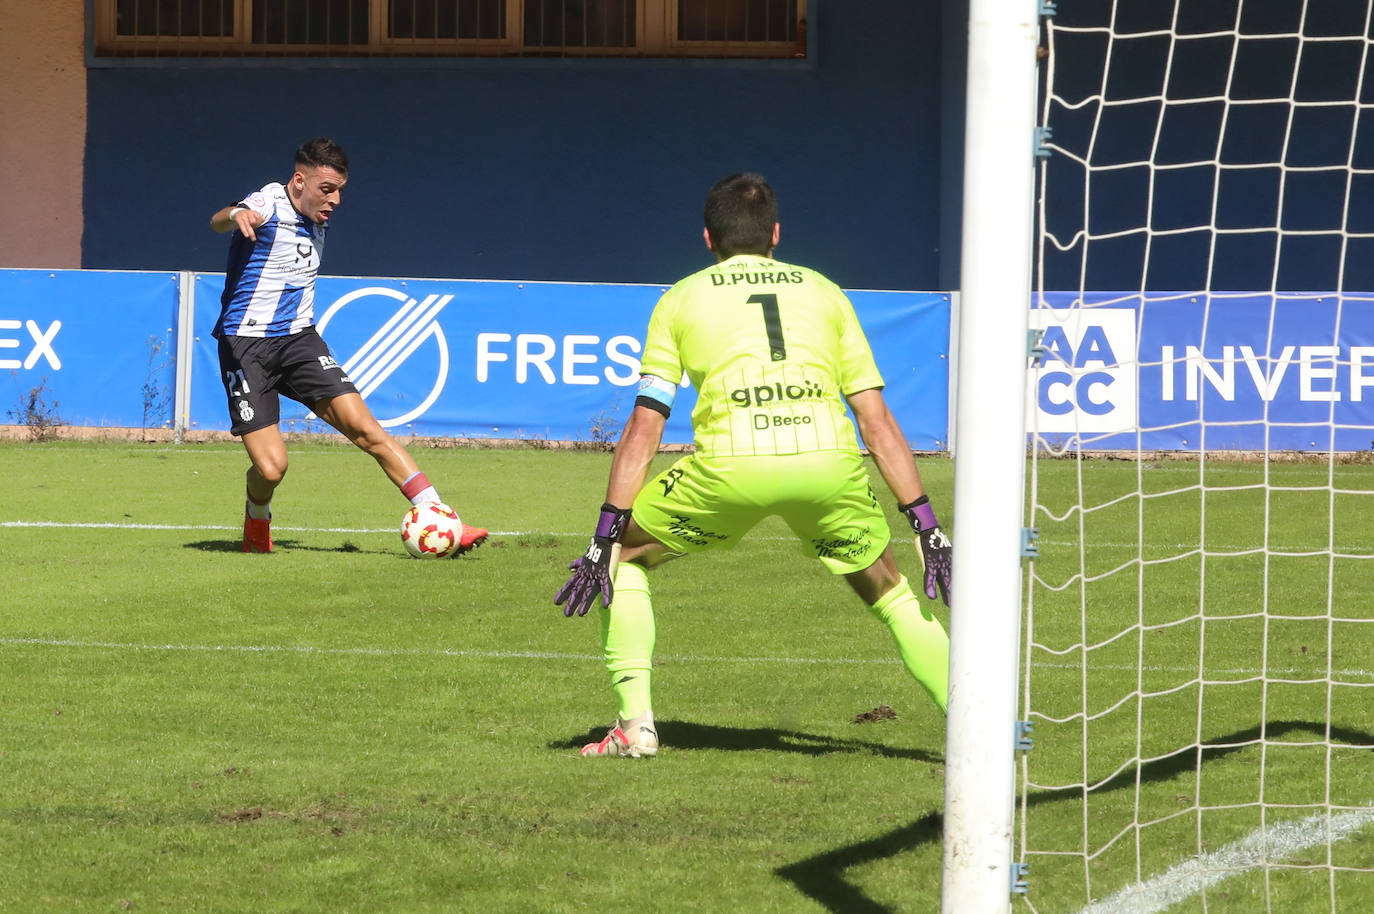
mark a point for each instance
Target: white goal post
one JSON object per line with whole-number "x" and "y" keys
{"x": 985, "y": 612}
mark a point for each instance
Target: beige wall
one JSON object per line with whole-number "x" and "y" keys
{"x": 42, "y": 132}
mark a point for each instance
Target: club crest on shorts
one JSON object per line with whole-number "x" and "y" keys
{"x": 245, "y": 411}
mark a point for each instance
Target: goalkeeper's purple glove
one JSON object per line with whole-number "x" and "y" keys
{"x": 934, "y": 548}
{"x": 593, "y": 574}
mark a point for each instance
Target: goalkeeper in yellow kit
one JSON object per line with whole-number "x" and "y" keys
{"x": 775, "y": 352}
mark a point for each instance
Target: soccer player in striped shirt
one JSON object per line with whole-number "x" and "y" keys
{"x": 268, "y": 344}
{"x": 775, "y": 352}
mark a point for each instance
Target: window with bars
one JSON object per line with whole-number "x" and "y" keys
{"x": 540, "y": 28}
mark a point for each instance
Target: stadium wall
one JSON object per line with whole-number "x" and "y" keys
{"x": 1206, "y": 161}
{"x": 594, "y": 170}
{"x": 536, "y": 169}
{"x": 42, "y": 132}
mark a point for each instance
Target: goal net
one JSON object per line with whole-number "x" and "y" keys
{"x": 1198, "y": 644}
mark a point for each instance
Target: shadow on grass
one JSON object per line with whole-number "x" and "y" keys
{"x": 681, "y": 734}
{"x": 287, "y": 545}
{"x": 822, "y": 877}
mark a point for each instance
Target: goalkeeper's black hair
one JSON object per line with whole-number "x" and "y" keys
{"x": 741, "y": 211}
{"x": 322, "y": 152}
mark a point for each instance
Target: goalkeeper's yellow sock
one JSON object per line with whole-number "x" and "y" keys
{"x": 627, "y": 638}
{"x": 921, "y": 640}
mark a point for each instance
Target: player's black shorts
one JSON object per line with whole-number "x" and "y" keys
{"x": 255, "y": 369}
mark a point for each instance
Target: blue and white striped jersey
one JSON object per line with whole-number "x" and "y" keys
{"x": 269, "y": 289}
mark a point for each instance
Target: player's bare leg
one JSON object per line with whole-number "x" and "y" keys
{"x": 642, "y": 549}
{"x": 267, "y": 451}
{"x": 350, "y": 415}
{"x": 921, "y": 640}
{"x": 877, "y": 579}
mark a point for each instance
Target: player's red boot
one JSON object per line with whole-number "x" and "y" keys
{"x": 257, "y": 534}
{"x": 471, "y": 538}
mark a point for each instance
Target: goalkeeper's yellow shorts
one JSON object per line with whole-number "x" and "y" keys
{"x": 825, "y": 497}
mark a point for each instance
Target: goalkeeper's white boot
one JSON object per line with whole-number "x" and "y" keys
{"x": 635, "y": 738}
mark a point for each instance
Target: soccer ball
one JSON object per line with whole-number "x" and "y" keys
{"x": 431, "y": 530}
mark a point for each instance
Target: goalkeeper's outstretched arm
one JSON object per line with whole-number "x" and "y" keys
{"x": 634, "y": 452}
{"x": 887, "y": 444}
{"x": 890, "y": 451}
{"x": 594, "y": 573}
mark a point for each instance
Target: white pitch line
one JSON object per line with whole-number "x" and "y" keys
{"x": 390, "y": 531}
{"x": 110, "y": 525}
{"x": 413, "y": 652}
{"x": 503, "y": 655}
{"x": 115, "y": 526}
{"x": 1261, "y": 846}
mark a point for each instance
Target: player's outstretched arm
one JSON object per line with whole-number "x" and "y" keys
{"x": 635, "y": 451}
{"x": 236, "y": 217}
{"x": 888, "y": 446}
{"x": 593, "y": 574}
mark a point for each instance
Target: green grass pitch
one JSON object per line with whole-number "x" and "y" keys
{"x": 338, "y": 727}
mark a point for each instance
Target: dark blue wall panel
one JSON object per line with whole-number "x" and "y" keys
{"x": 1201, "y": 161}
{"x": 542, "y": 170}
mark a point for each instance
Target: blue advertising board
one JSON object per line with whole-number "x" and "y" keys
{"x": 98, "y": 347}
{"x": 559, "y": 361}
{"x": 554, "y": 361}
{"x": 1225, "y": 371}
